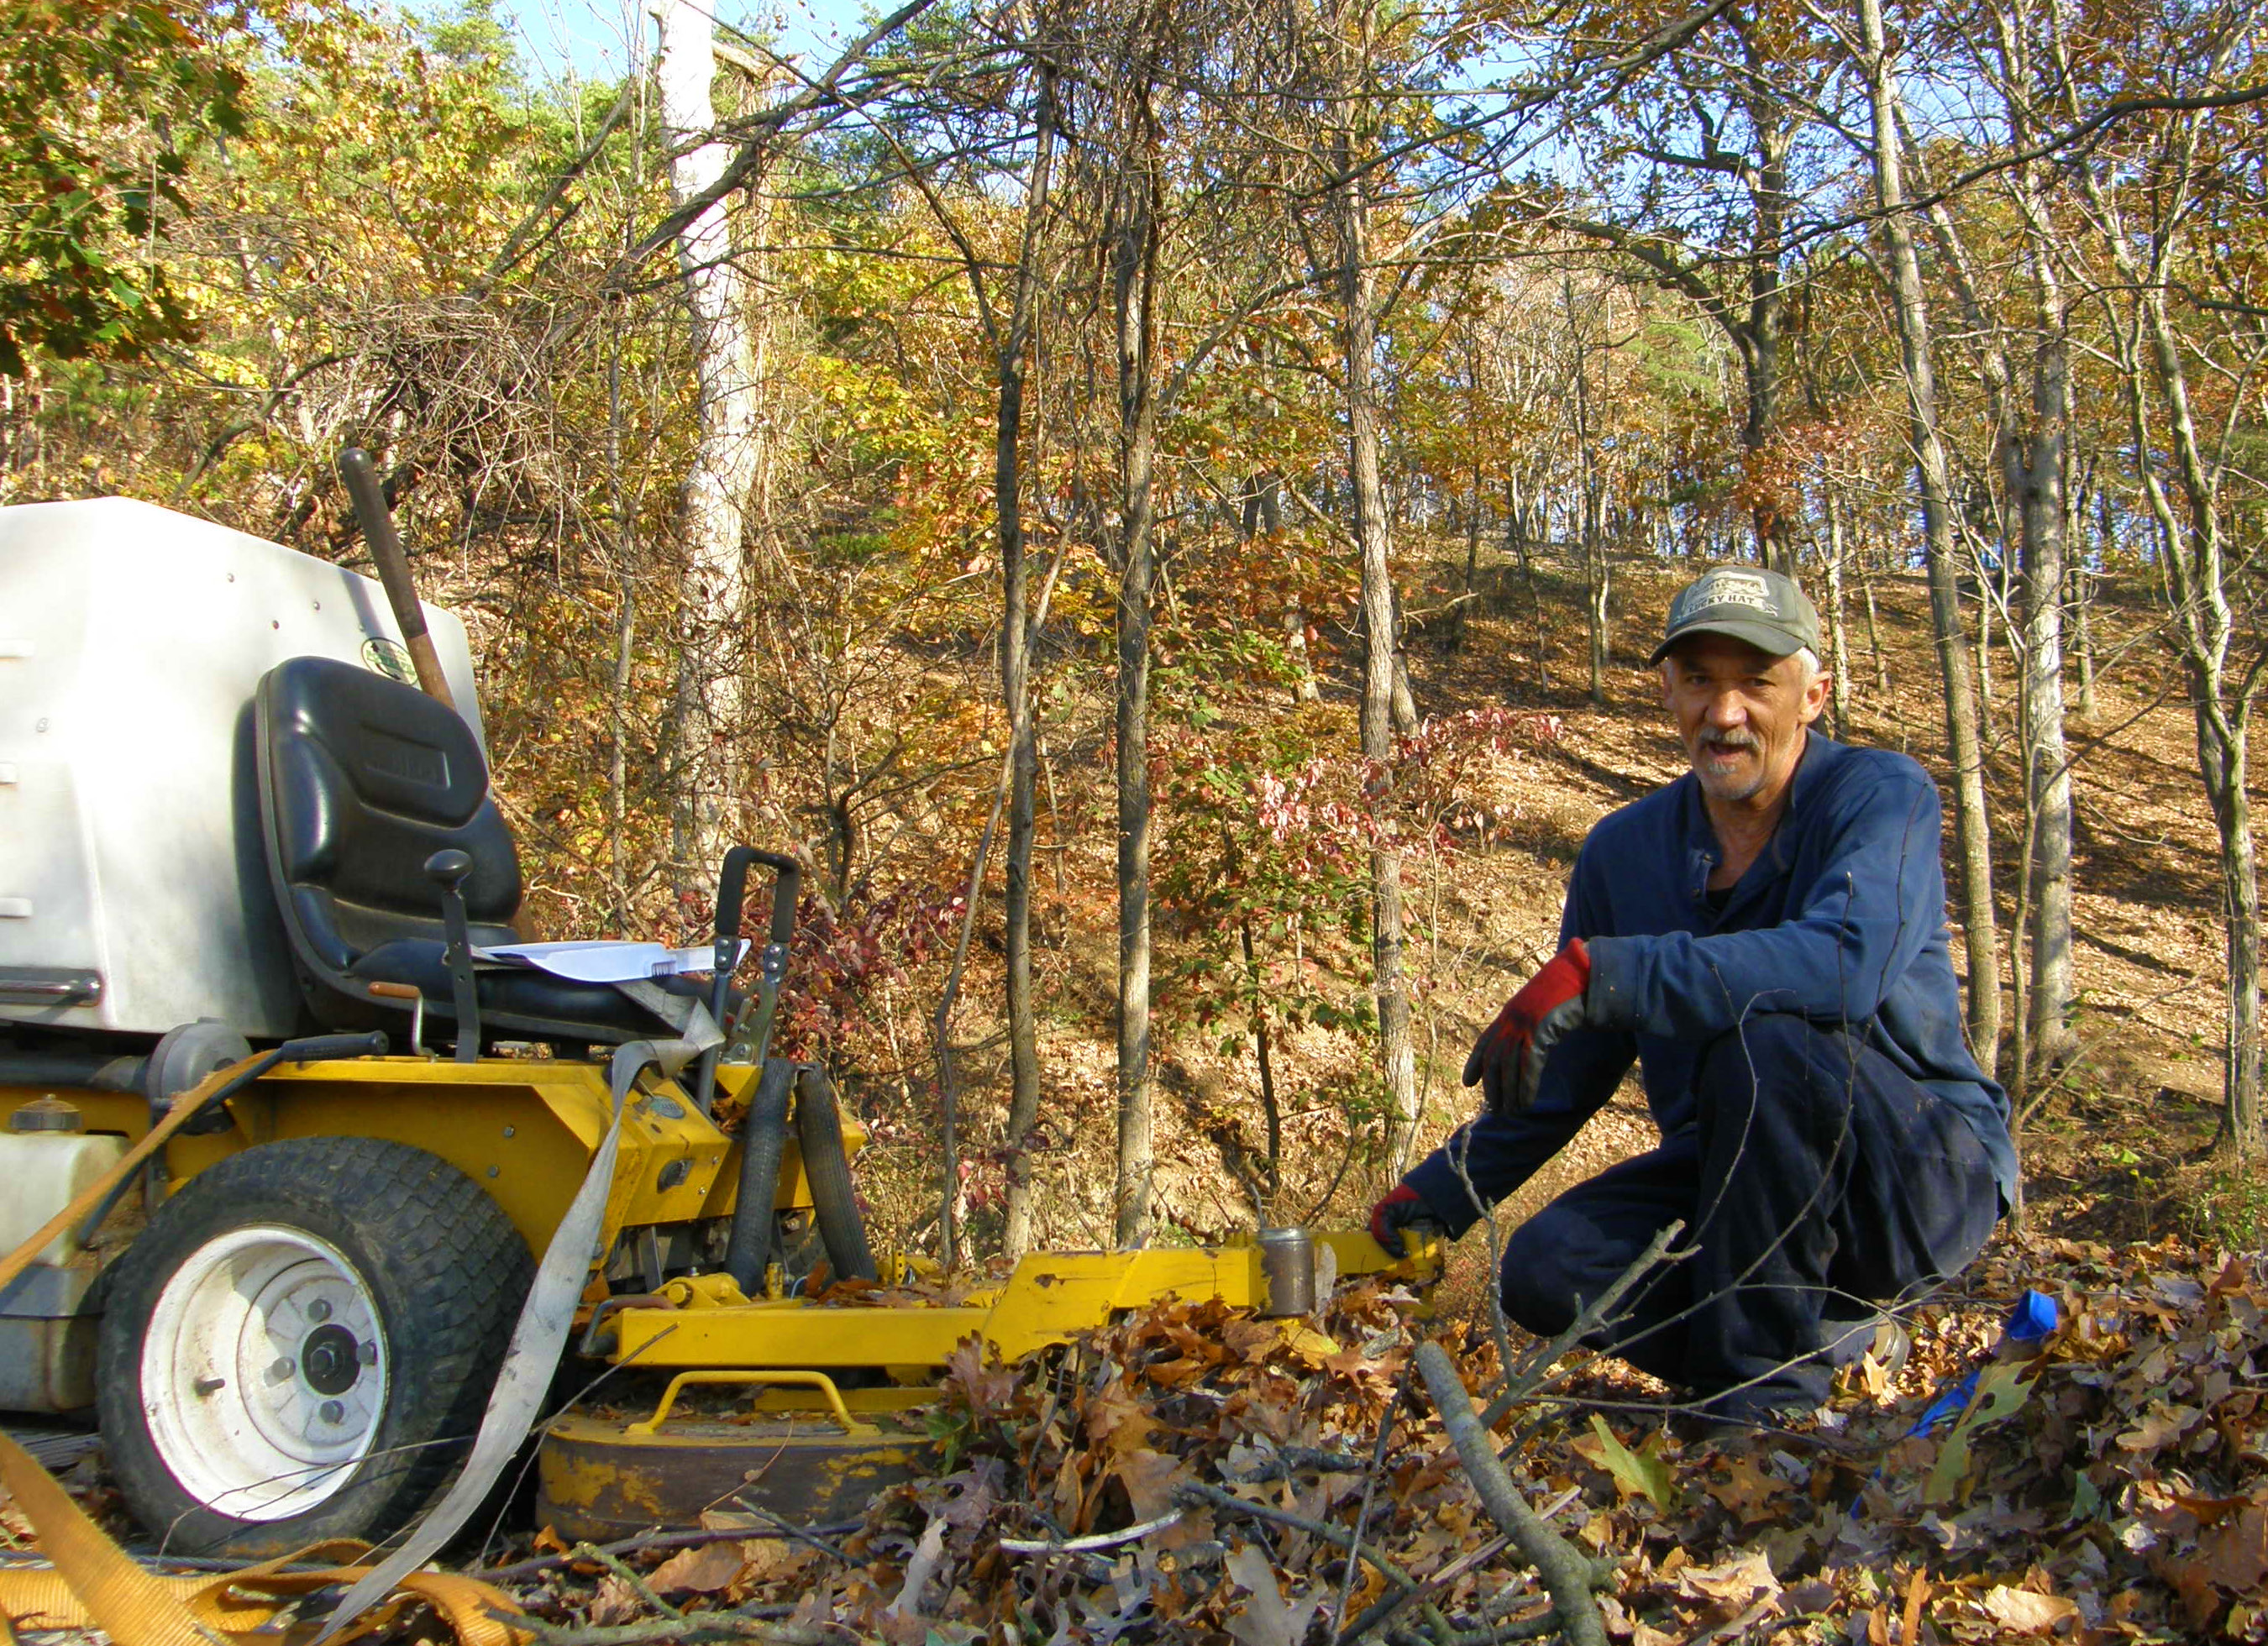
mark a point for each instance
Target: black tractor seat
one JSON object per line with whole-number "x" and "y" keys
{"x": 366, "y": 785}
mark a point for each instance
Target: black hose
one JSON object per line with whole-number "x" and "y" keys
{"x": 764, "y": 1140}
{"x": 827, "y": 1166}
{"x": 89, "y": 1071}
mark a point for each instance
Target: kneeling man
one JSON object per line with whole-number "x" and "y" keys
{"x": 1766, "y": 937}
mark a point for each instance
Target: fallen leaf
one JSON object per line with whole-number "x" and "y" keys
{"x": 1267, "y": 1618}
{"x": 702, "y": 1570}
{"x": 987, "y": 1388}
{"x": 1747, "y": 1491}
{"x": 769, "y": 1560}
{"x": 1740, "y": 1583}
{"x": 2028, "y": 1613}
{"x": 2160, "y": 1425}
{"x": 1637, "y": 1474}
{"x": 614, "y": 1601}
{"x": 927, "y": 1555}
{"x": 2001, "y": 1391}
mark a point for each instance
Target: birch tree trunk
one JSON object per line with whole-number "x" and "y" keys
{"x": 712, "y": 597}
{"x": 1015, "y": 692}
{"x": 1133, "y": 248}
{"x": 1359, "y": 315}
{"x": 2180, "y": 471}
{"x": 1980, "y": 927}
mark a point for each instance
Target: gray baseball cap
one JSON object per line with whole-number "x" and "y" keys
{"x": 1765, "y": 608}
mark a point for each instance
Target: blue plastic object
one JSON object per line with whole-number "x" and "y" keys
{"x": 2029, "y": 1324}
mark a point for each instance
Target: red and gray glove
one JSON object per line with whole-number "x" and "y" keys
{"x": 1507, "y": 1060}
{"x": 1403, "y": 1211}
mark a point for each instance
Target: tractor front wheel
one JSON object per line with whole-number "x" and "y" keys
{"x": 300, "y": 1345}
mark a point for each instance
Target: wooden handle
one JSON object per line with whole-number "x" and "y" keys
{"x": 385, "y": 546}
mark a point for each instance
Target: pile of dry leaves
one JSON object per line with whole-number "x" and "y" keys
{"x": 1195, "y": 1474}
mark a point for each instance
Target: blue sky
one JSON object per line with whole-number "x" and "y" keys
{"x": 592, "y": 39}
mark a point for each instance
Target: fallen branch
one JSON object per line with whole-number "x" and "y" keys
{"x": 653, "y": 1541}
{"x": 1090, "y": 1543}
{"x": 1593, "y": 1315}
{"x": 1199, "y": 1492}
{"x": 1565, "y": 1572}
{"x": 799, "y": 1535}
{"x": 1386, "y": 1609}
{"x": 1383, "y": 1611}
{"x": 1369, "y": 1489}
{"x": 1301, "y": 1460}
{"x": 629, "y": 1579}
{"x": 691, "y": 1631}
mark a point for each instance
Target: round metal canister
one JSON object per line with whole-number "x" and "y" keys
{"x": 1288, "y": 1258}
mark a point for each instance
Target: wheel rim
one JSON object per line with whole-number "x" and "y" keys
{"x": 264, "y": 1372}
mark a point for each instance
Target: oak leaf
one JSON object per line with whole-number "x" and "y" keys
{"x": 2026, "y": 1613}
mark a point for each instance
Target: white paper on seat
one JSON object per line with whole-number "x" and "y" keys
{"x": 608, "y": 962}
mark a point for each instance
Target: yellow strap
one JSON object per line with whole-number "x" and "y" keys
{"x": 95, "y": 1584}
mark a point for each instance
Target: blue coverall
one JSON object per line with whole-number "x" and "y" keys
{"x": 1826, "y": 1135}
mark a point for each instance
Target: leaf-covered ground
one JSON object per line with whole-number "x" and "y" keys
{"x": 1192, "y": 1474}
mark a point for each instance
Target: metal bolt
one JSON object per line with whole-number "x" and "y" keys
{"x": 492, "y": 1171}
{"x": 367, "y": 1353}
{"x": 279, "y": 1370}
{"x": 331, "y": 1411}
{"x": 319, "y": 1310}
{"x": 509, "y": 1131}
{"x": 208, "y": 1386}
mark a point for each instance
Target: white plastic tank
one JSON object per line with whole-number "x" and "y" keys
{"x": 134, "y": 894}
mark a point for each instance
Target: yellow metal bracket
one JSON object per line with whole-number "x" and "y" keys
{"x": 769, "y": 1377}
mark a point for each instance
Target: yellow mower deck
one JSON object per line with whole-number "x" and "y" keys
{"x": 803, "y": 1448}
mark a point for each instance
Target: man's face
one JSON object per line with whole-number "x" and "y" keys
{"x": 1741, "y": 714}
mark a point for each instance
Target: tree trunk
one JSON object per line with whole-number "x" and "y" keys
{"x": 1358, "y": 316}
{"x": 1456, "y": 640}
{"x": 2222, "y": 739}
{"x": 2047, "y": 765}
{"x": 1838, "y": 639}
{"x": 705, "y": 722}
{"x": 1134, "y": 272}
{"x": 1016, "y": 697}
{"x": 2081, "y": 584}
{"x": 1972, "y": 832}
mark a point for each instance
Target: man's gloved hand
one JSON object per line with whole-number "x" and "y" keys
{"x": 1404, "y": 1210}
{"x": 1507, "y": 1060}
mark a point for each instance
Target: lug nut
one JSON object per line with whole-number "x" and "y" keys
{"x": 331, "y": 1411}
{"x": 279, "y": 1370}
{"x": 319, "y": 1310}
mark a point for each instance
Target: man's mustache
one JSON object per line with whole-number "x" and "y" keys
{"x": 1731, "y": 740}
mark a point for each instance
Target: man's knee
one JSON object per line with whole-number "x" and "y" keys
{"x": 1541, "y": 1283}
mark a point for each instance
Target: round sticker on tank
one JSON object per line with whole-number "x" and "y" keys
{"x": 391, "y": 658}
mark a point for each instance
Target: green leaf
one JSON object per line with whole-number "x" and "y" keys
{"x": 1641, "y": 1473}
{"x": 2000, "y": 1393}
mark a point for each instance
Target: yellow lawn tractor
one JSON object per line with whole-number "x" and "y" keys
{"x": 292, "y": 1112}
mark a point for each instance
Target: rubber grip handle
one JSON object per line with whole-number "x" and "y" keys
{"x": 783, "y": 894}
{"x": 731, "y": 892}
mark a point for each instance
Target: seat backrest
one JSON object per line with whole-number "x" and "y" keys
{"x": 362, "y": 778}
